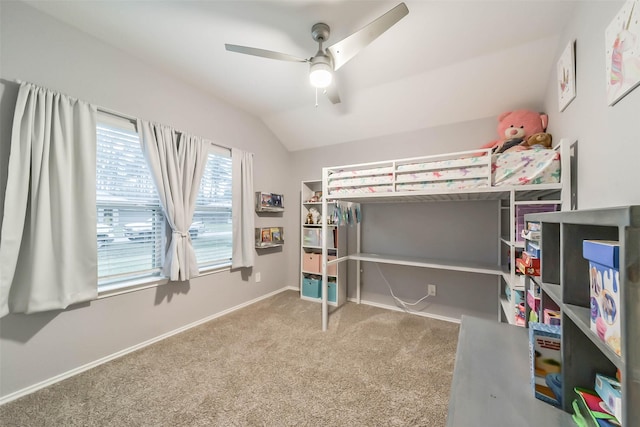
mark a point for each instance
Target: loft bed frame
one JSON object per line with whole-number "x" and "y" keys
{"x": 419, "y": 179}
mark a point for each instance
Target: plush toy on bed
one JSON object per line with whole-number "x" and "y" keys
{"x": 538, "y": 140}
{"x": 515, "y": 127}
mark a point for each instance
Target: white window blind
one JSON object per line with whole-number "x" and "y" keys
{"x": 130, "y": 220}
{"x": 211, "y": 227}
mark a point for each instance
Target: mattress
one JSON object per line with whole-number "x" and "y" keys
{"x": 537, "y": 166}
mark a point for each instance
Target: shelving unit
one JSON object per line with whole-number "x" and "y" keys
{"x": 565, "y": 280}
{"x": 490, "y": 384}
{"x": 512, "y": 244}
{"x": 311, "y": 248}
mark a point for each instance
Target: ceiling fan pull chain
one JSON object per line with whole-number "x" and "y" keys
{"x": 316, "y": 97}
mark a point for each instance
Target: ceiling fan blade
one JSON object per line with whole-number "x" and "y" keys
{"x": 263, "y": 53}
{"x": 332, "y": 93}
{"x": 347, "y": 48}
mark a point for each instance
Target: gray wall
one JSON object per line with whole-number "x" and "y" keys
{"x": 608, "y": 137}
{"x": 456, "y": 230}
{"x": 41, "y": 50}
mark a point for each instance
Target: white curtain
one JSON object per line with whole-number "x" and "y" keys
{"x": 177, "y": 165}
{"x": 48, "y": 250}
{"x": 242, "y": 209}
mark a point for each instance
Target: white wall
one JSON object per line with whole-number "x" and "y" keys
{"x": 36, "y": 48}
{"x": 608, "y": 137}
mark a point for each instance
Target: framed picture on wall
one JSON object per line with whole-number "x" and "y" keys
{"x": 567, "y": 76}
{"x": 622, "y": 44}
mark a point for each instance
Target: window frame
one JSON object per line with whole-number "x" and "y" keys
{"x": 144, "y": 279}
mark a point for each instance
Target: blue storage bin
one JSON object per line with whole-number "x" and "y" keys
{"x": 332, "y": 288}
{"x": 311, "y": 288}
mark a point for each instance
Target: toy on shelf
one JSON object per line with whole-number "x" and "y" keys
{"x": 604, "y": 276}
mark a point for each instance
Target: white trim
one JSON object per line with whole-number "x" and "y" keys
{"x": 417, "y": 313}
{"x": 42, "y": 384}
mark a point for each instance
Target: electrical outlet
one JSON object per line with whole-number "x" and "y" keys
{"x": 431, "y": 290}
{"x": 258, "y": 278}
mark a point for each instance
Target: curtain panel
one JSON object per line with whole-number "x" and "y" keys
{"x": 48, "y": 252}
{"x": 242, "y": 209}
{"x": 177, "y": 164}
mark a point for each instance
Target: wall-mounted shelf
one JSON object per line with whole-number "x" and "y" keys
{"x": 269, "y": 202}
{"x": 269, "y": 237}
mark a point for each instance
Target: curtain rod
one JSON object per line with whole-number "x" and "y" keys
{"x": 124, "y": 116}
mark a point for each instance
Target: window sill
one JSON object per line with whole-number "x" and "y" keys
{"x": 119, "y": 288}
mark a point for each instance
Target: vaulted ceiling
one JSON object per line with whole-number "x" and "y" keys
{"x": 445, "y": 62}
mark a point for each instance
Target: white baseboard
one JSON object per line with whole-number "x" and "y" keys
{"x": 35, "y": 387}
{"x": 417, "y": 313}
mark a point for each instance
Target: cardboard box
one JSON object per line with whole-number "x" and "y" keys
{"x": 552, "y": 317}
{"x": 609, "y": 391}
{"x": 532, "y": 301}
{"x": 546, "y": 362}
{"x": 533, "y": 248}
{"x": 530, "y": 260}
{"x": 604, "y": 278}
{"x": 530, "y": 271}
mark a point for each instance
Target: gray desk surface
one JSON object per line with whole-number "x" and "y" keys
{"x": 491, "y": 385}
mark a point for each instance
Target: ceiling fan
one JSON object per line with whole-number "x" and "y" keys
{"x": 327, "y": 60}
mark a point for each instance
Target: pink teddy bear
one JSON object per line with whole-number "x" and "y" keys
{"x": 517, "y": 126}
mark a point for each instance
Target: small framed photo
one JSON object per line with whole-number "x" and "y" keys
{"x": 266, "y": 235}
{"x": 567, "y": 76}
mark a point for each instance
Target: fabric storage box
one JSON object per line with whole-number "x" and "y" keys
{"x": 332, "y": 291}
{"x": 332, "y": 269}
{"x": 545, "y": 362}
{"x": 604, "y": 276}
{"x": 311, "y": 287}
{"x": 311, "y": 262}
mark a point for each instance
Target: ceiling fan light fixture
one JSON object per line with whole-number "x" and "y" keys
{"x": 320, "y": 75}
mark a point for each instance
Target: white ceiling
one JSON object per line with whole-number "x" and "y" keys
{"x": 445, "y": 62}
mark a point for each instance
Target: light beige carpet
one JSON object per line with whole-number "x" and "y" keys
{"x": 266, "y": 365}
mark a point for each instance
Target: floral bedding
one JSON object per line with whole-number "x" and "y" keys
{"x": 538, "y": 166}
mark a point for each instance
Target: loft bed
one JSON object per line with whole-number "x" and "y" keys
{"x": 536, "y": 176}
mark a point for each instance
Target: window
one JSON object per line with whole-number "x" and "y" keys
{"x": 130, "y": 225}
{"x": 211, "y": 227}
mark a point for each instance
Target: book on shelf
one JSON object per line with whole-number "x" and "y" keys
{"x": 266, "y": 235}
{"x": 276, "y": 234}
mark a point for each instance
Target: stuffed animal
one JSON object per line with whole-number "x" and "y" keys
{"x": 540, "y": 140}
{"x": 515, "y": 127}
